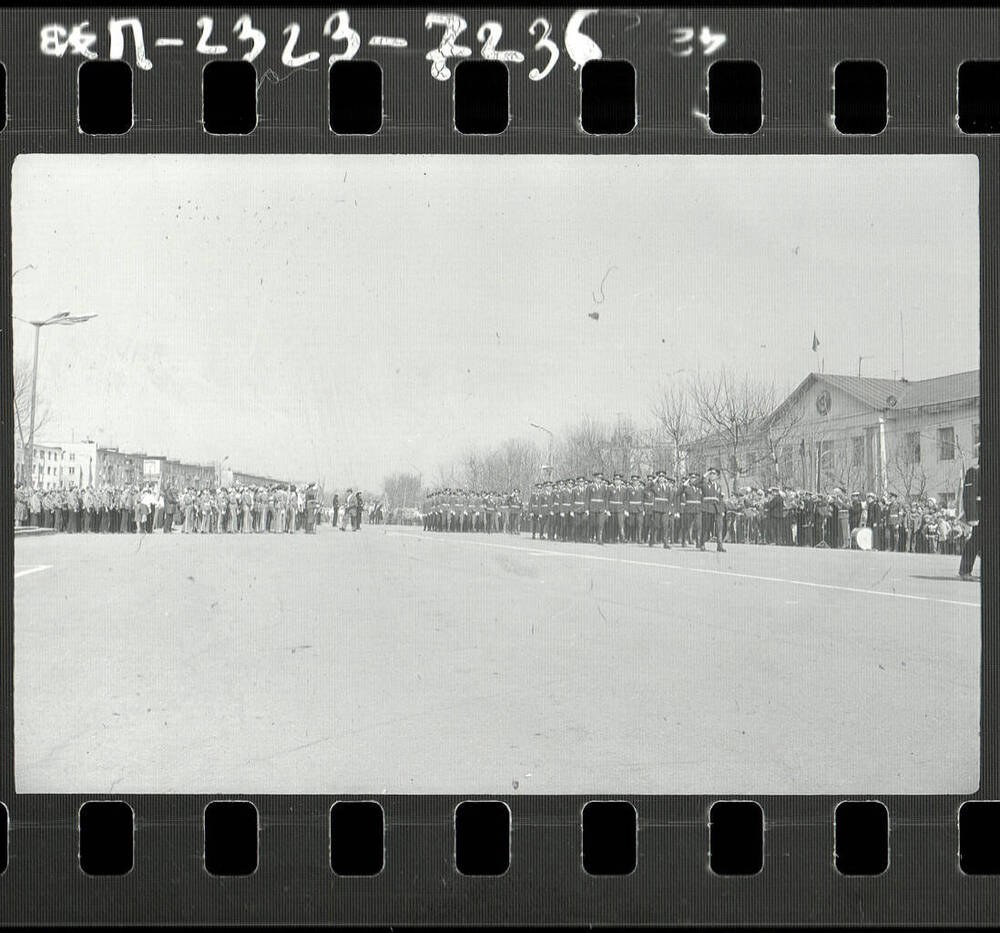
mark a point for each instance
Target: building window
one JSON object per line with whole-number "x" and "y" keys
{"x": 975, "y": 440}
{"x": 946, "y": 443}
{"x": 72, "y": 470}
{"x": 72, "y": 456}
{"x": 857, "y": 451}
{"x": 911, "y": 447}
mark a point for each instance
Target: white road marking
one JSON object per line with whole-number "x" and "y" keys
{"x": 722, "y": 573}
{"x": 27, "y": 570}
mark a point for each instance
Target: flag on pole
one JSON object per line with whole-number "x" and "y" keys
{"x": 815, "y": 342}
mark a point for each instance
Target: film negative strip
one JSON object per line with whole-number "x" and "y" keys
{"x": 499, "y": 465}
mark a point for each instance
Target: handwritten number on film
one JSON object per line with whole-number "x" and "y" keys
{"x": 343, "y": 33}
{"x": 682, "y": 41}
{"x": 544, "y": 43}
{"x": 56, "y": 40}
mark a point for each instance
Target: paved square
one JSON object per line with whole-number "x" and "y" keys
{"x": 398, "y": 661}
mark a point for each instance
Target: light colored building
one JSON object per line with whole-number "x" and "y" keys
{"x": 915, "y": 438}
{"x": 58, "y": 465}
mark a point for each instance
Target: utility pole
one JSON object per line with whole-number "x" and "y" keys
{"x": 30, "y": 452}
{"x": 63, "y": 318}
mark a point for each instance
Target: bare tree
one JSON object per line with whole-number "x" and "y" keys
{"x": 674, "y": 413}
{"x": 584, "y": 448}
{"x": 905, "y": 467}
{"x": 520, "y": 462}
{"x": 446, "y": 476}
{"x": 513, "y": 465}
{"x": 626, "y": 443}
{"x": 401, "y": 490}
{"x": 776, "y": 440}
{"x": 730, "y": 411}
{"x": 22, "y": 402}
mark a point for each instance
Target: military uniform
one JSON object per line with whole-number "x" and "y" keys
{"x": 711, "y": 511}
{"x": 581, "y": 513}
{"x": 617, "y": 503}
{"x": 691, "y": 511}
{"x": 661, "y": 510}
{"x": 972, "y": 507}
{"x": 648, "y": 497}
{"x": 597, "y": 503}
{"x": 633, "y": 520}
{"x": 535, "y": 509}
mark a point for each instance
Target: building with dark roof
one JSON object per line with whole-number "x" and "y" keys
{"x": 861, "y": 434}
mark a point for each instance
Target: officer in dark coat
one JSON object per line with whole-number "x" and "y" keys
{"x": 690, "y": 508}
{"x": 661, "y": 510}
{"x": 597, "y": 502}
{"x": 972, "y": 511}
{"x": 712, "y": 510}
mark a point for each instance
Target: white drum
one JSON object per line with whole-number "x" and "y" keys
{"x": 862, "y": 538}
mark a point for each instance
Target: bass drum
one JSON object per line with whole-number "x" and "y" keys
{"x": 862, "y": 538}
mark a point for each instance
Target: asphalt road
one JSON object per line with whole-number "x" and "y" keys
{"x": 394, "y": 661}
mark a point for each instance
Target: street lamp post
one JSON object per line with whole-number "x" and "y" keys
{"x": 63, "y": 318}
{"x": 548, "y": 466}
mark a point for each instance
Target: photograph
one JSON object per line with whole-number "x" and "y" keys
{"x": 496, "y": 474}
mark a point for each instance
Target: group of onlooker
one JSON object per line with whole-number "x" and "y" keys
{"x": 139, "y": 508}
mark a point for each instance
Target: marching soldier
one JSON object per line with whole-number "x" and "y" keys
{"x": 597, "y": 503}
{"x": 516, "y": 512}
{"x": 648, "y": 500}
{"x": 661, "y": 510}
{"x": 617, "y": 503}
{"x": 633, "y": 509}
{"x": 544, "y": 500}
{"x": 581, "y": 512}
{"x": 534, "y": 507}
{"x": 691, "y": 511}
{"x": 711, "y": 510}
{"x": 566, "y": 499}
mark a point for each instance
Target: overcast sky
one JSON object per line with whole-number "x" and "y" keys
{"x": 342, "y": 317}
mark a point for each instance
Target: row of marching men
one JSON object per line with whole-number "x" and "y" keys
{"x": 663, "y": 510}
{"x": 457, "y": 509}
